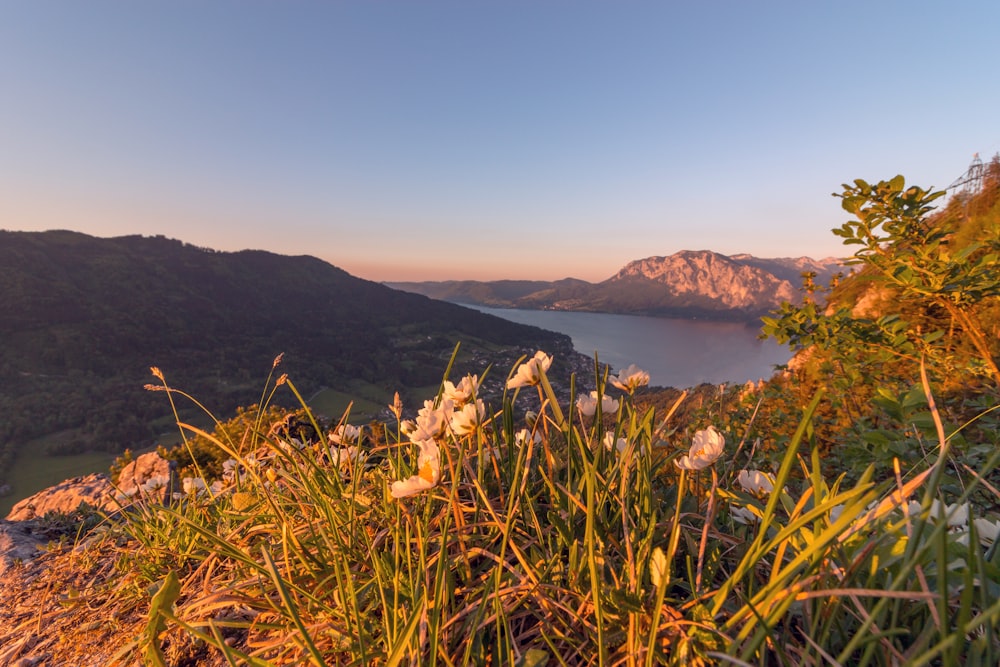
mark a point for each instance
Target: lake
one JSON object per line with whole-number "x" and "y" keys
{"x": 677, "y": 353}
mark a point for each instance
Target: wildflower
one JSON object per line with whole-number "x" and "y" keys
{"x": 193, "y": 486}
{"x": 955, "y": 515}
{"x": 464, "y": 391}
{"x": 431, "y": 422}
{"x": 755, "y": 482}
{"x": 743, "y": 515}
{"x": 428, "y": 472}
{"x": 610, "y": 443}
{"x": 156, "y": 483}
{"x": 524, "y": 436}
{"x": 345, "y": 433}
{"x": 469, "y": 418}
{"x": 530, "y": 372}
{"x": 587, "y": 405}
{"x": 230, "y": 468}
{"x": 988, "y": 531}
{"x": 705, "y": 449}
{"x": 631, "y": 378}
{"x": 291, "y": 445}
{"x": 341, "y": 456}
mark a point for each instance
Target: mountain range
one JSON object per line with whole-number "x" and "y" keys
{"x": 690, "y": 284}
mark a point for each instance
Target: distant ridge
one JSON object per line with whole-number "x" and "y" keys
{"x": 84, "y": 318}
{"x": 690, "y": 283}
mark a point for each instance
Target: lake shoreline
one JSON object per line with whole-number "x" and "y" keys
{"x": 675, "y": 352}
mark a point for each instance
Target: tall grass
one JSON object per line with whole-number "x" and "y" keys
{"x": 558, "y": 538}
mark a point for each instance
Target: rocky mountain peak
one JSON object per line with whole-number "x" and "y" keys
{"x": 732, "y": 283}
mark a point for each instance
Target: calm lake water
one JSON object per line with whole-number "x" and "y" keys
{"x": 678, "y": 353}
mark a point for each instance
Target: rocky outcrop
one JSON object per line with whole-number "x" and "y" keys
{"x": 19, "y": 543}
{"x": 712, "y": 277}
{"x": 151, "y": 476}
{"x": 94, "y": 490}
{"x": 697, "y": 284}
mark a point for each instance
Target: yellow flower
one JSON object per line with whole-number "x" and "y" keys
{"x": 705, "y": 449}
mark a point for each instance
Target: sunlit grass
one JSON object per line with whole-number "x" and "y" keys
{"x": 549, "y": 537}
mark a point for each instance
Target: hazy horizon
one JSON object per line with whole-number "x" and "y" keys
{"x": 492, "y": 140}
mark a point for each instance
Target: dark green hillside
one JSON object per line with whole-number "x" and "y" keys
{"x": 85, "y": 318}
{"x": 495, "y": 293}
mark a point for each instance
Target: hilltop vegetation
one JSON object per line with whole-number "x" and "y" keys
{"x": 845, "y": 512}
{"x": 85, "y": 318}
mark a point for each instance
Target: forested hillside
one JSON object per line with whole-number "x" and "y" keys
{"x": 85, "y": 318}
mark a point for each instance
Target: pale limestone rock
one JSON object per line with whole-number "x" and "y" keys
{"x": 95, "y": 490}
{"x": 17, "y": 543}
{"x": 733, "y": 284}
{"x": 150, "y": 476}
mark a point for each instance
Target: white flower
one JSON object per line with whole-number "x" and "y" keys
{"x": 344, "y": 434}
{"x": 230, "y": 468}
{"x": 464, "y": 391}
{"x": 530, "y": 372}
{"x": 988, "y": 531}
{"x": 631, "y": 378}
{"x": 294, "y": 444}
{"x": 955, "y": 515}
{"x": 705, "y": 449}
{"x": 193, "y": 485}
{"x": 743, "y": 515}
{"x": 431, "y": 422}
{"x": 341, "y": 456}
{"x": 469, "y": 418}
{"x": 524, "y": 436}
{"x": 428, "y": 472}
{"x": 621, "y": 444}
{"x": 156, "y": 483}
{"x": 587, "y": 405}
{"x": 755, "y": 482}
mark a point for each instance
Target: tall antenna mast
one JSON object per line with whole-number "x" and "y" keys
{"x": 971, "y": 181}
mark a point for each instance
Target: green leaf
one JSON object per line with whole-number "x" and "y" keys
{"x": 163, "y": 600}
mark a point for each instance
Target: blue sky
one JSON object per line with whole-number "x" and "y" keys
{"x": 481, "y": 139}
